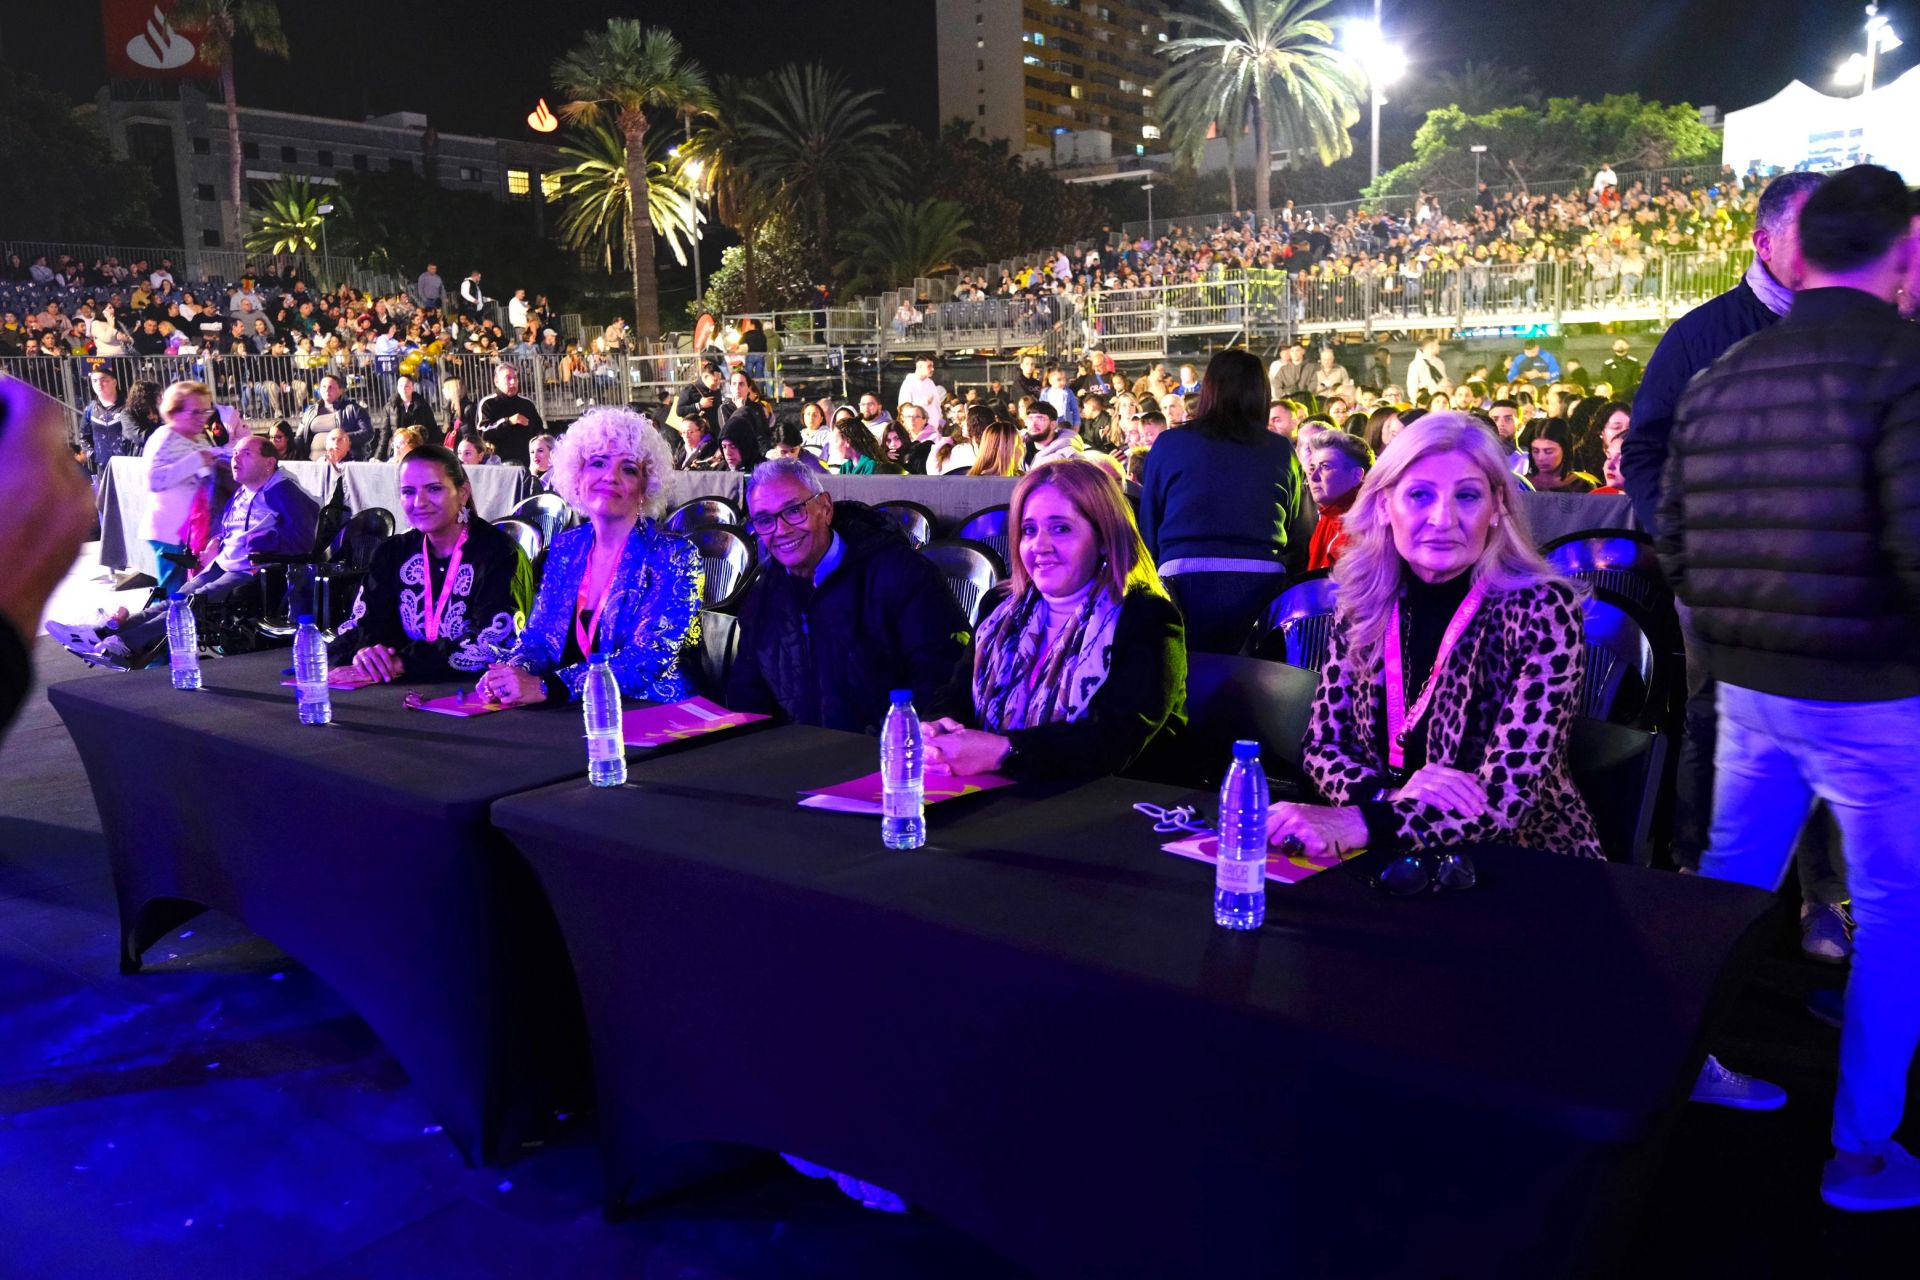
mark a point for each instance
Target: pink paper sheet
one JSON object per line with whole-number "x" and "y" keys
{"x": 862, "y": 795}
{"x": 674, "y": 722}
{"x": 1281, "y": 867}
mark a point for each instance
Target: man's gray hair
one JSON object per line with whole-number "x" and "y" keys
{"x": 1780, "y": 195}
{"x": 784, "y": 469}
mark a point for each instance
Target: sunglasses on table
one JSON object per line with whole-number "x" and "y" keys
{"x": 1413, "y": 874}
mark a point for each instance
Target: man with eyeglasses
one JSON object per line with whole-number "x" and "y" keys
{"x": 845, "y": 612}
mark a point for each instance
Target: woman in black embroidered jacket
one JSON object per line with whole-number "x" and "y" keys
{"x": 446, "y": 598}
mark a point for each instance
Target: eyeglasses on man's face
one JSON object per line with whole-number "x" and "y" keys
{"x": 793, "y": 514}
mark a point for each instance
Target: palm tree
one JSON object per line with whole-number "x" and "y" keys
{"x": 1270, "y": 62}
{"x": 816, "y": 137}
{"x": 623, "y": 71}
{"x": 288, "y": 220}
{"x": 599, "y": 214}
{"x": 721, "y": 155}
{"x": 894, "y": 242}
{"x": 1476, "y": 88}
{"x": 221, "y": 23}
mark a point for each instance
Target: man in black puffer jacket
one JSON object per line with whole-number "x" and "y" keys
{"x": 842, "y": 611}
{"x": 1790, "y": 523}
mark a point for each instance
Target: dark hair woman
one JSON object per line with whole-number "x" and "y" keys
{"x": 139, "y": 418}
{"x": 1220, "y": 506}
{"x": 1551, "y": 452}
{"x": 444, "y": 599}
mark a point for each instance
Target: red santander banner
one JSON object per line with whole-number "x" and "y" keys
{"x": 143, "y": 43}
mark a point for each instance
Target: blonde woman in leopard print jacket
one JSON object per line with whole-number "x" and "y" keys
{"x": 1441, "y": 583}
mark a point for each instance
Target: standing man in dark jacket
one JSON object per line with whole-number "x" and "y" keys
{"x": 701, "y": 399}
{"x": 100, "y": 423}
{"x": 1790, "y": 524}
{"x": 408, "y": 408}
{"x": 1695, "y": 341}
{"x": 843, "y": 612}
{"x": 508, "y": 420}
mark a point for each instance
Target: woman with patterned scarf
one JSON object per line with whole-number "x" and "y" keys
{"x": 1082, "y": 669}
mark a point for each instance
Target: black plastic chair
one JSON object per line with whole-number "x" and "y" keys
{"x": 702, "y": 513}
{"x": 547, "y": 512}
{"x": 988, "y": 526}
{"x": 1619, "y": 560}
{"x": 728, "y": 556}
{"x": 971, "y": 569}
{"x": 914, "y": 520}
{"x": 531, "y": 541}
{"x": 712, "y": 660}
{"x": 1230, "y": 698}
{"x": 1626, "y": 676}
{"x": 1617, "y": 771}
{"x": 1299, "y": 625}
{"x": 360, "y": 537}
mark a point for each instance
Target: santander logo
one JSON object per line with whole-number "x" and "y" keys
{"x": 160, "y": 47}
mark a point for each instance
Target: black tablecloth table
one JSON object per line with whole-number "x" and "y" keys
{"x": 363, "y": 849}
{"x": 1032, "y": 1027}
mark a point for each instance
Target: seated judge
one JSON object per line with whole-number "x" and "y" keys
{"x": 617, "y": 584}
{"x": 1082, "y": 668}
{"x": 442, "y": 600}
{"x": 1453, "y": 674}
{"x": 841, "y": 611}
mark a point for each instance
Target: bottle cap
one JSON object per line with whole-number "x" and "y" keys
{"x": 599, "y": 659}
{"x": 902, "y": 697}
{"x": 304, "y": 620}
{"x": 174, "y": 595}
{"x": 1246, "y": 749}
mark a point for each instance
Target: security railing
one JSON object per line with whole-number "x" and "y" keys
{"x": 190, "y": 265}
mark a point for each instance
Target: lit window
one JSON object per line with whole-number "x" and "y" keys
{"x": 550, "y": 185}
{"x": 1139, "y": 148}
{"x": 1150, "y": 131}
{"x": 1031, "y": 60}
{"x": 1146, "y": 91}
{"x": 1075, "y": 91}
{"x": 1039, "y": 37}
{"x": 519, "y": 182}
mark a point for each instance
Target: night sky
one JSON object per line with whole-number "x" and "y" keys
{"x": 477, "y": 66}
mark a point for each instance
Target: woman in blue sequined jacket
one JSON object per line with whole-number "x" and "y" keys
{"x": 617, "y": 584}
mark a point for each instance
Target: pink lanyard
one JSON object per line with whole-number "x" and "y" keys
{"x": 585, "y": 635}
{"x": 437, "y": 610}
{"x": 1400, "y": 721}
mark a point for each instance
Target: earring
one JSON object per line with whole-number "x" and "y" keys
{"x": 464, "y": 514}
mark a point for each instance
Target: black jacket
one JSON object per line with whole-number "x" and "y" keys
{"x": 1134, "y": 721}
{"x": 687, "y": 405}
{"x": 399, "y": 416}
{"x": 882, "y": 620}
{"x": 1695, "y": 341}
{"x": 1790, "y": 511}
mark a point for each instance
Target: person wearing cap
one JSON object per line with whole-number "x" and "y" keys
{"x": 1622, "y": 372}
{"x": 1048, "y": 438}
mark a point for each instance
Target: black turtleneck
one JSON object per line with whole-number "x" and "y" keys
{"x": 1425, "y": 610}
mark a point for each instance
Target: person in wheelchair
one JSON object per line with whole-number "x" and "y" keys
{"x": 269, "y": 514}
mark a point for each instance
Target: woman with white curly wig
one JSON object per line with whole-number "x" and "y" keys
{"x": 617, "y": 584}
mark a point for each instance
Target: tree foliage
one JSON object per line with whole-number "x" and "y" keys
{"x": 1562, "y": 142}
{"x": 287, "y": 218}
{"x": 785, "y": 267}
{"x": 624, "y": 72}
{"x": 1268, "y": 64}
{"x": 65, "y": 183}
{"x": 1475, "y": 87}
{"x": 598, "y": 217}
{"x": 896, "y": 242}
{"x": 821, "y": 143}
{"x": 400, "y": 221}
{"x": 221, "y": 25}
{"x": 1014, "y": 207}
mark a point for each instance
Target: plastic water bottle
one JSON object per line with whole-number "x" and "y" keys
{"x": 606, "y": 744}
{"x": 183, "y": 642}
{"x": 903, "y": 800}
{"x": 1240, "y": 875}
{"x": 310, "y": 673}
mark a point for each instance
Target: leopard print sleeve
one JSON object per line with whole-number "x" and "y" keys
{"x": 1529, "y": 740}
{"x": 1338, "y": 756}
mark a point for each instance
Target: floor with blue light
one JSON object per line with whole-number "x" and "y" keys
{"x": 224, "y": 1114}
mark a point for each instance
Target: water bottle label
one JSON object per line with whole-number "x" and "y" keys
{"x": 903, "y": 803}
{"x": 1233, "y": 876}
{"x": 602, "y": 747}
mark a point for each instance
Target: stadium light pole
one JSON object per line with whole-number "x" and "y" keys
{"x": 1479, "y": 149}
{"x": 323, "y": 211}
{"x": 1384, "y": 63}
{"x": 1148, "y": 188}
{"x": 1859, "y": 68}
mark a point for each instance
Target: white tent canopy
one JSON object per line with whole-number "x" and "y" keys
{"x": 1802, "y": 128}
